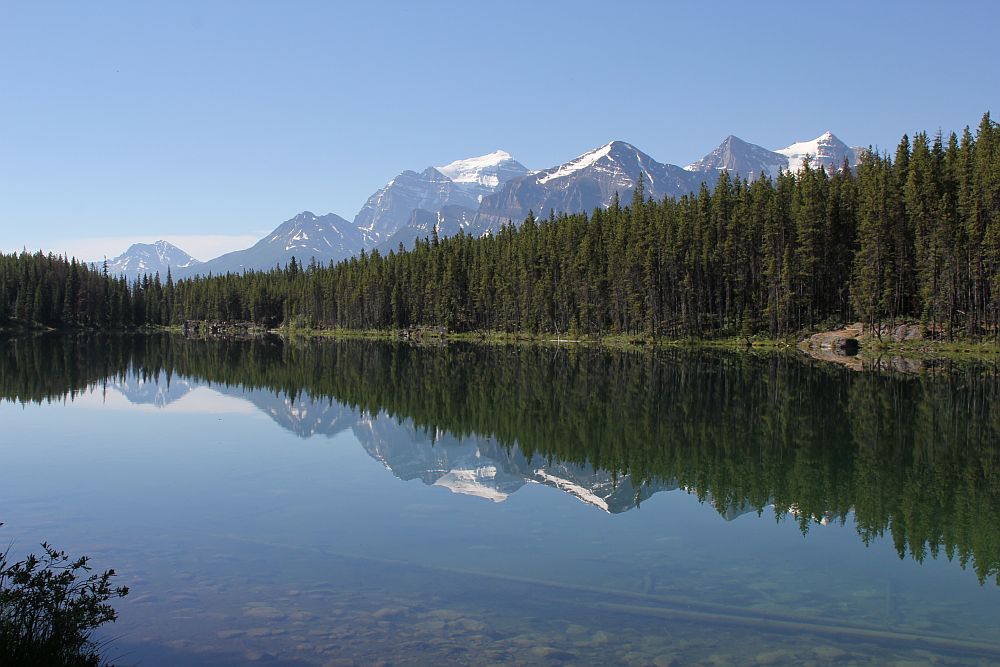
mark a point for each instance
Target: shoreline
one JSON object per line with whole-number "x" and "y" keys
{"x": 870, "y": 348}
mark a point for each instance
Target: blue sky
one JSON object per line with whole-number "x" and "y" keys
{"x": 209, "y": 123}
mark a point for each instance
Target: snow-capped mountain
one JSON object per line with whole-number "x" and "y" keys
{"x": 826, "y": 150}
{"x": 741, "y": 158}
{"x": 584, "y": 183}
{"x": 489, "y": 171}
{"x": 150, "y": 259}
{"x": 325, "y": 238}
{"x": 477, "y": 195}
{"x": 460, "y": 183}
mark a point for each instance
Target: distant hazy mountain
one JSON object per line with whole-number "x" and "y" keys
{"x": 584, "y": 183}
{"x": 150, "y": 258}
{"x": 826, "y": 150}
{"x": 447, "y": 221}
{"x": 741, "y": 158}
{"x": 327, "y": 238}
{"x": 462, "y": 183}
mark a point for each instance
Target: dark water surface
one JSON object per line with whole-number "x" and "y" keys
{"x": 357, "y": 502}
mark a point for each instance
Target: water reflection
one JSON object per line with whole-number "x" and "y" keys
{"x": 913, "y": 458}
{"x": 472, "y": 465}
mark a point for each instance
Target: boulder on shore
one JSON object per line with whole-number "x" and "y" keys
{"x": 842, "y": 341}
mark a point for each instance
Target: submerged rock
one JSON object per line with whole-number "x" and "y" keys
{"x": 389, "y": 612}
{"x": 775, "y": 657}
{"x": 264, "y": 612}
{"x": 828, "y": 652}
{"x": 666, "y": 661}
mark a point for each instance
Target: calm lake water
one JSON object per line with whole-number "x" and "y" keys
{"x": 356, "y": 502}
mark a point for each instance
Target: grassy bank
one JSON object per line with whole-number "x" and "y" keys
{"x": 937, "y": 348}
{"x": 871, "y": 347}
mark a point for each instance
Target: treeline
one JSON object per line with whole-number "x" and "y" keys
{"x": 913, "y": 236}
{"x": 913, "y": 459}
{"x": 52, "y": 291}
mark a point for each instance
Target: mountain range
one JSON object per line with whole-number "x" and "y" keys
{"x": 478, "y": 195}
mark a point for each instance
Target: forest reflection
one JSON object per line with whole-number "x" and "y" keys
{"x": 914, "y": 458}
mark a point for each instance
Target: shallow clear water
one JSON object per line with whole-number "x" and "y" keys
{"x": 331, "y": 503}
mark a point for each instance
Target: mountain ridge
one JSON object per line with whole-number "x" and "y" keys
{"x": 478, "y": 195}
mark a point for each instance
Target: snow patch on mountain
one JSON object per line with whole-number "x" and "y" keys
{"x": 580, "y": 163}
{"x": 583, "y": 493}
{"x": 473, "y": 482}
{"x": 482, "y": 170}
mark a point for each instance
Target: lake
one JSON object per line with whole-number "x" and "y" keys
{"x": 361, "y": 502}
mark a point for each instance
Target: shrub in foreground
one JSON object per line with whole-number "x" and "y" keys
{"x": 49, "y": 607}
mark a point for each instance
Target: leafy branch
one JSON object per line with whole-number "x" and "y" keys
{"x": 49, "y": 607}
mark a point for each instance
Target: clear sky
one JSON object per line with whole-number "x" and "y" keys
{"x": 209, "y": 123}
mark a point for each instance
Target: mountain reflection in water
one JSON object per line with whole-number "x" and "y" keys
{"x": 914, "y": 458}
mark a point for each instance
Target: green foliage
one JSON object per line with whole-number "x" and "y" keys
{"x": 49, "y": 607}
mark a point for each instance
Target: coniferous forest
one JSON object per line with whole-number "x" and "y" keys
{"x": 912, "y": 235}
